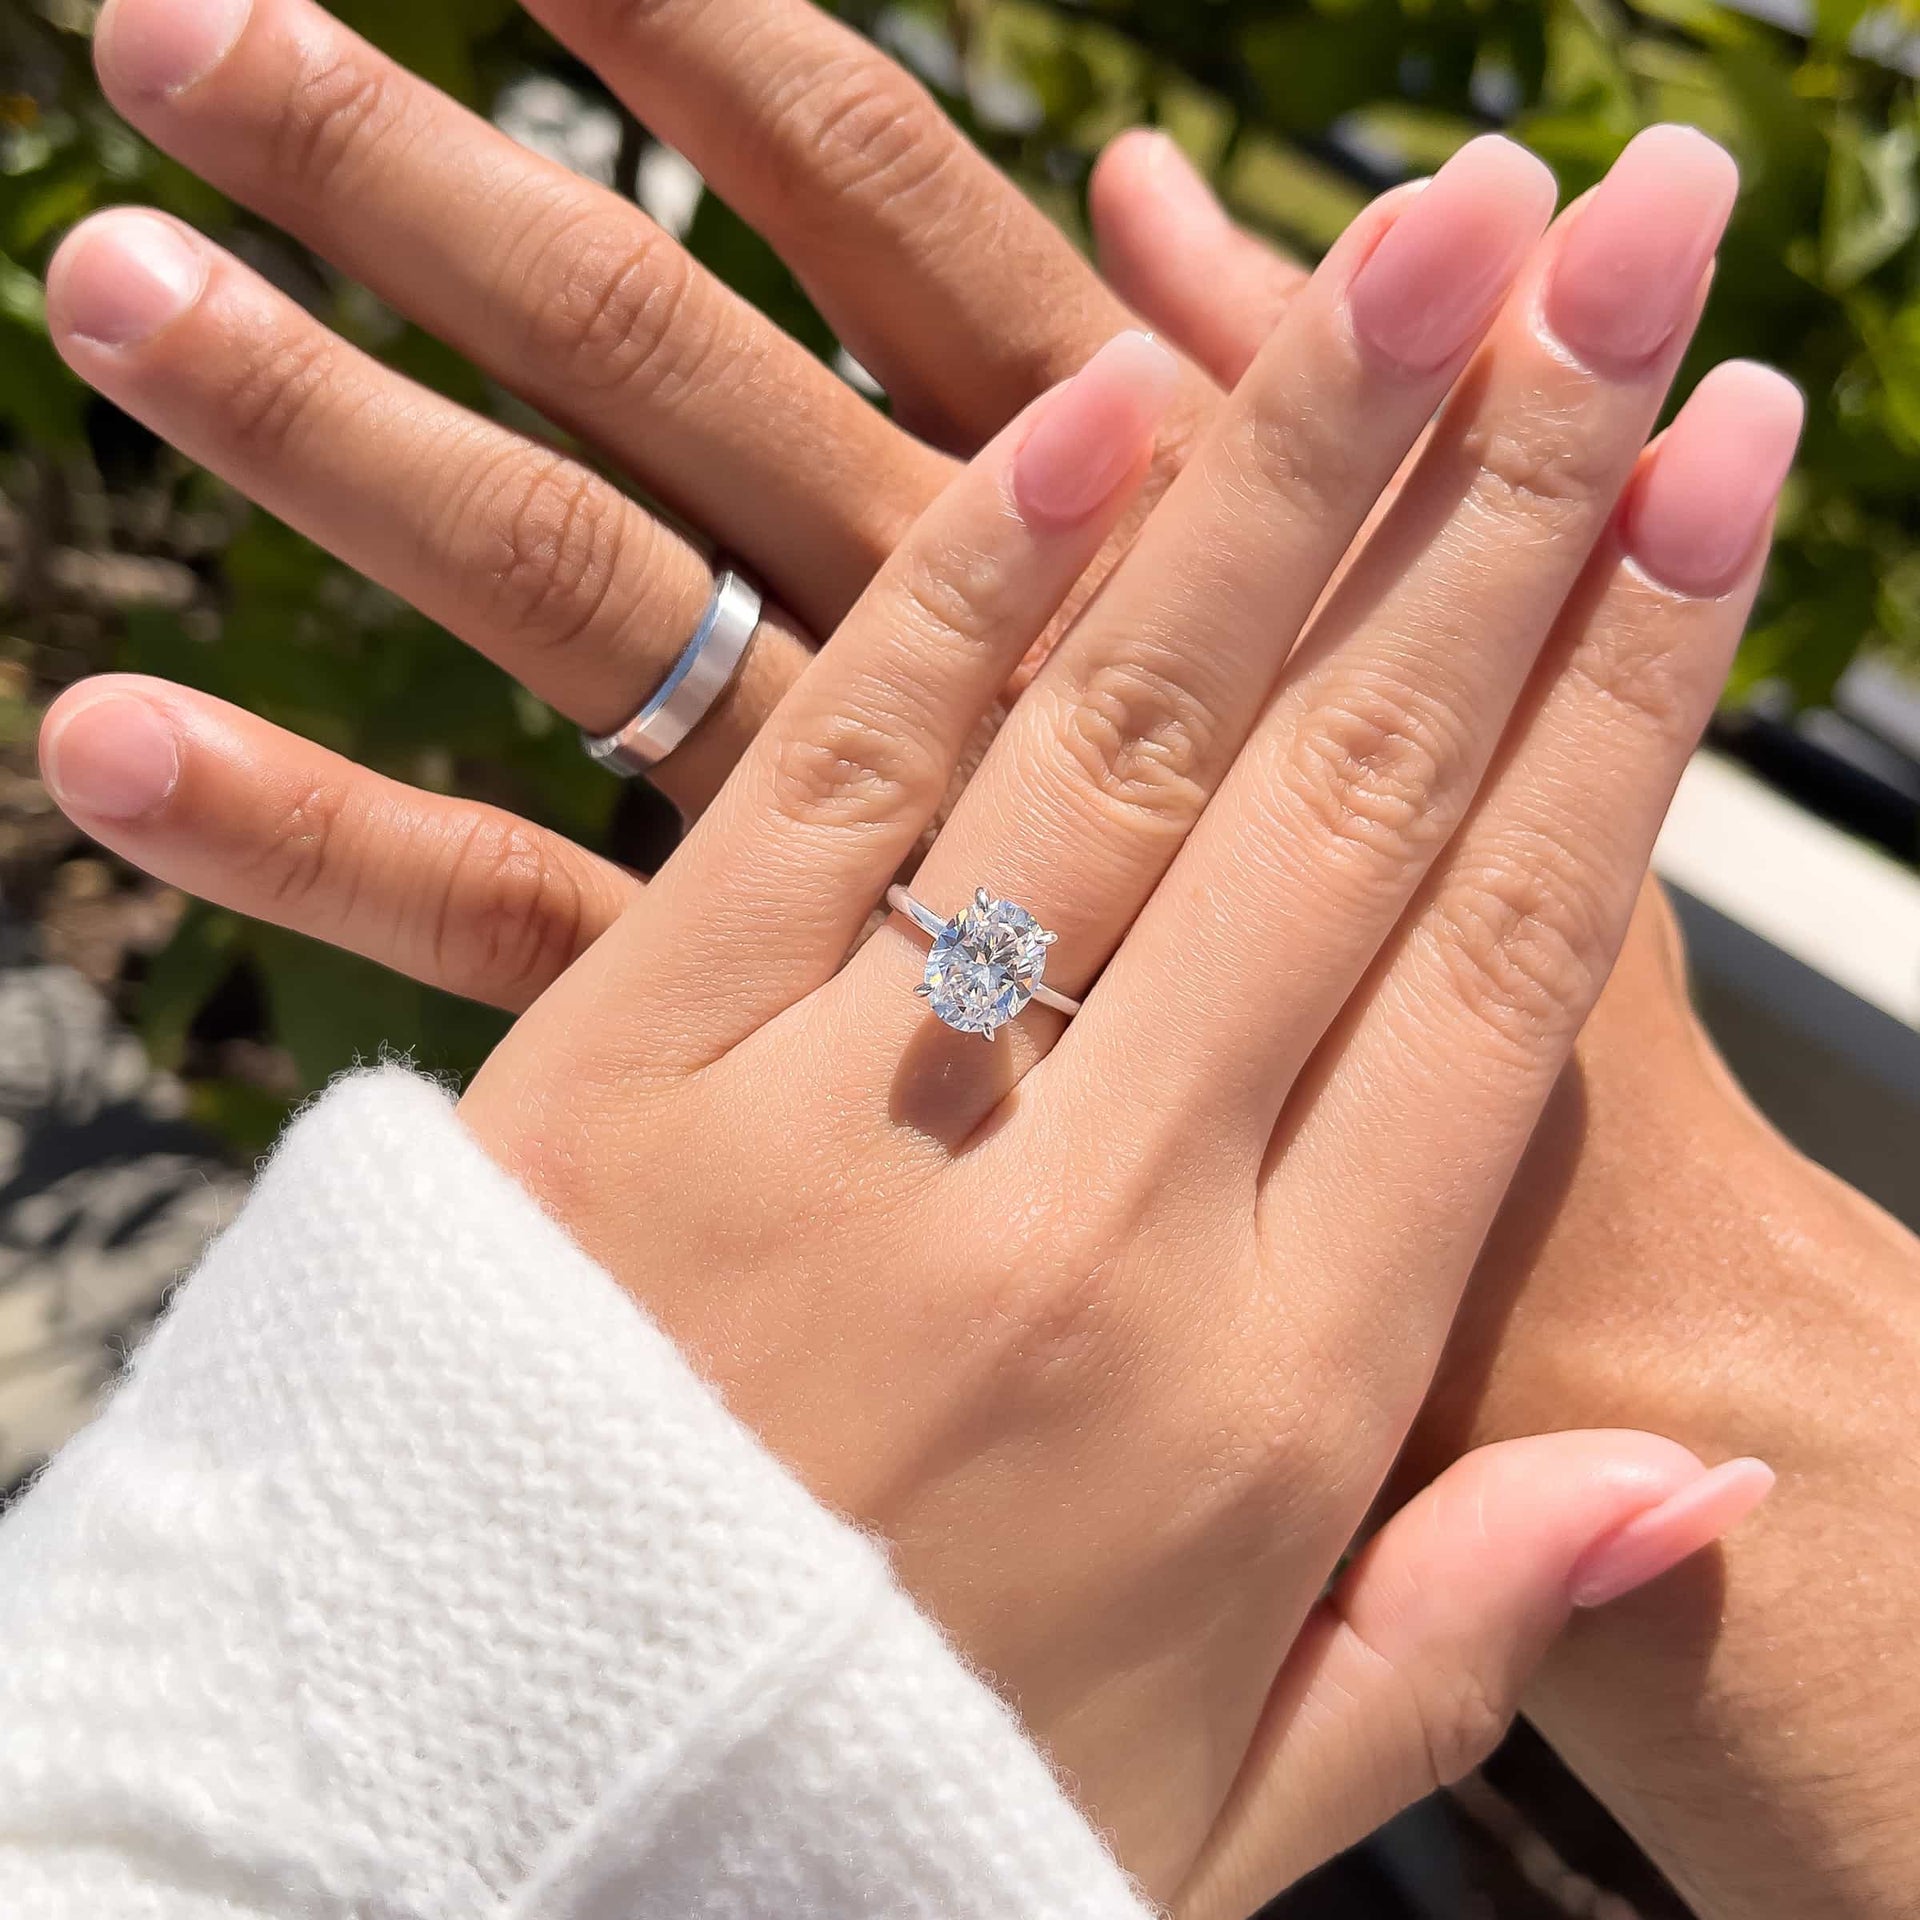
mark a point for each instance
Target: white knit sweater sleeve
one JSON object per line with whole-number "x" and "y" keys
{"x": 413, "y": 1574}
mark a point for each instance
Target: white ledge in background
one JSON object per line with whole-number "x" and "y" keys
{"x": 1838, "y": 905}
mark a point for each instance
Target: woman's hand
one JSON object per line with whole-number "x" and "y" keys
{"x": 1115, "y": 1338}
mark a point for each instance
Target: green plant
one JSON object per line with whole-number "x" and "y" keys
{"x": 1299, "y": 109}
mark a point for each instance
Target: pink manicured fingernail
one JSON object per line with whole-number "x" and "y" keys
{"x": 1437, "y": 277}
{"x": 1702, "y": 502}
{"x": 1090, "y": 433}
{"x": 151, "y": 48}
{"x": 113, "y": 757}
{"x": 121, "y": 277}
{"x": 1629, "y": 270}
{"x": 1657, "y": 1541}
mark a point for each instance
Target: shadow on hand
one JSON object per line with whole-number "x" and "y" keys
{"x": 946, "y": 1081}
{"x": 1446, "y": 1427}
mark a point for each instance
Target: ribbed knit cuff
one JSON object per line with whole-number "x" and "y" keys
{"x": 415, "y": 1573}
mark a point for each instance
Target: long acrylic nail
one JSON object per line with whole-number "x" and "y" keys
{"x": 1655, "y": 1542}
{"x": 1702, "y": 503}
{"x": 1091, "y": 432}
{"x": 1427, "y": 291}
{"x": 1629, "y": 269}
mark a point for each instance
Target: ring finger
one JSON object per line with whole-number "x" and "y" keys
{"x": 1112, "y": 755}
{"x": 760, "y": 905}
{"x": 524, "y": 553}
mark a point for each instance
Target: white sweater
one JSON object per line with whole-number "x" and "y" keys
{"x": 412, "y": 1573}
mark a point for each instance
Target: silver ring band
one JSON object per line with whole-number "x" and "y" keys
{"x": 987, "y": 962}
{"x": 700, "y": 676}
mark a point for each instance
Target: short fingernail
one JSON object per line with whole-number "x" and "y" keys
{"x": 1629, "y": 271}
{"x": 1657, "y": 1541}
{"x": 124, "y": 276}
{"x": 112, "y": 758}
{"x": 1703, "y": 502}
{"x": 1093, "y": 432}
{"x": 1439, "y": 274}
{"x": 156, "y": 47}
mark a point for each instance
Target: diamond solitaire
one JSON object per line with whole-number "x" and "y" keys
{"x": 988, "y": 963}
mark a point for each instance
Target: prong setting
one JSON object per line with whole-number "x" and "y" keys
{"x": 987, "y": 963}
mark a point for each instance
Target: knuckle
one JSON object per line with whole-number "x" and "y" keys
{"x": 1525, "y": 942}
{"x": 851, "y": 771}
{"x": 1634, "y": 672}
{"x": 1372, "y": 765}
{"x": 1140, "y": 739}
{"x": 631, "y": 17}
{"x": 339, "y": 108}
{"x": 554, "y": 535}
{"x": 1281, "y": 452}
{"x": 1461, "y": 1721}
{"x": 275, "y": 392}
{"x": 871, "y": 130}
{"x": 1543, "y": 472}
{"x": 956, "y": 592}
{"x": 608, "y": 309}
{"x": 299, "y": 848}
{"x": 511, "y": 918}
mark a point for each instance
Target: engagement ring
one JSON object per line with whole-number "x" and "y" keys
{"x": 988, "y": 962}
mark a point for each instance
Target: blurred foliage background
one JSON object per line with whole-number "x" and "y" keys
{"x": 115, "y": 552}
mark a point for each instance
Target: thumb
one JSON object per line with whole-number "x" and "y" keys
{"x": 1409, "y": 1672}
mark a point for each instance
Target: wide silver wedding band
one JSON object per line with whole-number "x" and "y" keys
{"x": 703, "y": 672}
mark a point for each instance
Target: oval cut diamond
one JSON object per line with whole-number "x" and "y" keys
{"x": 985, "y": 965}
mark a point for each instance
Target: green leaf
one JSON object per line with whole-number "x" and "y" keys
{"x": 334, "y": 1010}
{"x": 249, "y": 1118}
{"x": 720, "y": 239}
{"x": 1836, "y": 21}
{"x": 36, "y": 390}
{"x": 1873, "y": 201}
{"x": 432, "y": 37}
{"x": 1817, "y": 626}
{"x": 184, "y": 976}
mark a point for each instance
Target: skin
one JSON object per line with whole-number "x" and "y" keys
{"x": 1060, "y": 1371}
{"x": 1753, "y": 1722}
{"x": 529, "y": 905}
{"x": 1169, "y": 1376}
{"x": 1666, "y": 1259}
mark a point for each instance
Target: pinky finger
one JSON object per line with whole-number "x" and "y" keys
{"x": 219, "y": 803}
{"x": 1408, "y": 1674}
